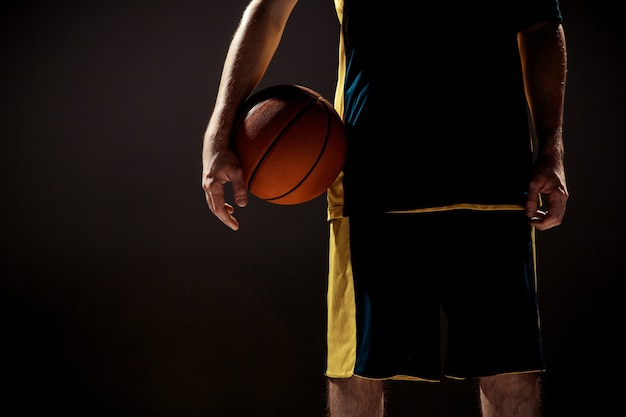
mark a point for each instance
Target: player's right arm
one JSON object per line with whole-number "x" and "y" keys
{"x": 253, "y": 45}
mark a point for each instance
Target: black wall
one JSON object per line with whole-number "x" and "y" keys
{"x": 123, "y": 296}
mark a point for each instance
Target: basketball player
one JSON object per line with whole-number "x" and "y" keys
{"x": 454, "y": 115}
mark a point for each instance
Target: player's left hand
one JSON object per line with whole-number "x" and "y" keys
{"x": 547, "y": 195}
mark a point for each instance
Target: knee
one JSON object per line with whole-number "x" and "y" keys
{"x": 355, "y": 389}
{"x": 510, "y": 391}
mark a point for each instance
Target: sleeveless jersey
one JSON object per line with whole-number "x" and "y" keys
{"x": 433, "y": 103}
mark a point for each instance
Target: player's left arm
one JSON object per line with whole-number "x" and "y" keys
{"x": 544, "y": 62}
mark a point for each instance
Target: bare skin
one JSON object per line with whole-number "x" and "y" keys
{"x": 355, "y": 397}
{"x": 249, "y": 55}
{"x": 511, "y": 395}
{"x": 544, "y": 61}
{"x": 514, "y": 395}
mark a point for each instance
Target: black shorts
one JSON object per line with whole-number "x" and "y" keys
{"x": 391, "y": 277}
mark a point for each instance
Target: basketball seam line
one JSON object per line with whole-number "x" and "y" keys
{"x": 319, "y": 155}
{"x": 275, "y": 142}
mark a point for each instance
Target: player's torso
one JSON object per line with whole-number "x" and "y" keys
{"x": 434, "y": 105}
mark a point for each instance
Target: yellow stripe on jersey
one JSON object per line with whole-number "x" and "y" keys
{"x": 341, "y": 303}
{"x": 334, "y": 196}
{"x": 462, "y": 206}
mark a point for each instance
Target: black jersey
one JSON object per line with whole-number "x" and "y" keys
{"x": 434, "y": 105}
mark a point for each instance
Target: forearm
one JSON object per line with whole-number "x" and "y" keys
{"x": 544, "y": 62}
{"x": 251, "y": 50}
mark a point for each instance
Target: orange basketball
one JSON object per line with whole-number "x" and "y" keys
{"x": 291, "y": 144}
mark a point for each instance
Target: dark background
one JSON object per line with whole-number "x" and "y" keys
{"x": 123, "y": 296}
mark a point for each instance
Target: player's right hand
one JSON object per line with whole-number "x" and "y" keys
{"x": 219, "y": 169}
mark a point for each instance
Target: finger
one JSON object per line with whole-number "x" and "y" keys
{"x": 545, "y": 222}
{"x": 556, "y": 211}
{"x": 532, "y": 204}
{"x": 239, "y": 192}
{"x": 222, "y": 210}
{"x": 228, "y": 219}
{"x": 214, "y": 195}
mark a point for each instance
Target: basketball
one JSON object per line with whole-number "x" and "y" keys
{"x": 291, "y": 144}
